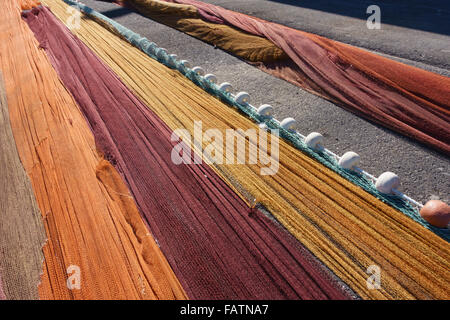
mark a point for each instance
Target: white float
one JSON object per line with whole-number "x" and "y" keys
{"x": 186, "y": 63}
{"x": 210, "y": 77}
{"x": 160, "y": 51}
{"x": 147, "y": 46}
{"x": 386, "y": 182}
{"x": 349, "y": 160}
{"x": 314, "y": 140}
{"x": 199, "y": 71}
{"x": 226, "y": 87}
{"x": 265, "y": 110}
{"x": 242, "y": 98}
{"x": 173, "y": 59}
{"x": 289, "y": 124}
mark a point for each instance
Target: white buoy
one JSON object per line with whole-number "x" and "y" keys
{"x": 186, "y": 63}
{"x": 210, "y": 77}
{"x": 386, "y": 182}
{"x": 242, "y": 97}
{"x": 263, "y": 126}
{"x": 289, "y": 124}
{"x": 147, "y": 46}
{"x": 265, "y": 110}
{"x": 314, "y": 140}
{"x": 349, "y": 160}
{"x": 199, "y": 71}
{"x": 226, "y": 87}
{"x": 160, "y": 52}
{"x": 151, "y": 48}
{"x": 172, "y": 59}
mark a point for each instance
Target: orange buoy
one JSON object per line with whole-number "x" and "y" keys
{"x": 436, "y": 213}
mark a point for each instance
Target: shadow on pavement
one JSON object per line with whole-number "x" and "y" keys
{"x": 431, "y": 15}
{"x": 114, "y": 13}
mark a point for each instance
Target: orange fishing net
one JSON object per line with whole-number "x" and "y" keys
{"x": 91, "y": 221}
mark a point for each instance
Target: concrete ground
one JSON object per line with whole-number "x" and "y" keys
{"x": 424, "y": 173}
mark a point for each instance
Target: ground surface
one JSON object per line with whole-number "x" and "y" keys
{"x": 425, "y": 174}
